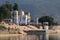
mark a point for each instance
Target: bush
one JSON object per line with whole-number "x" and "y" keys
{"x": 48, "y": 19}
{"x": 2, "y": 27}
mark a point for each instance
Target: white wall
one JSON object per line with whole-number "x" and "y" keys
{"x": 15, "y": 16}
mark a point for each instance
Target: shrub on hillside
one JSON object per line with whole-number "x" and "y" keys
{"x": 2, "y": 27}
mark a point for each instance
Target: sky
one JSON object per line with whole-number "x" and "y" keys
{"x": 39, "y": 8}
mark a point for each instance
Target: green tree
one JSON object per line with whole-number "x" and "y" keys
{"x": 5, "y": 11}
{"x": 15, "y": 7}
{"x": 2, "y": 27}
{"x": 8, "y": 5}
{"x": 48, "y": 19}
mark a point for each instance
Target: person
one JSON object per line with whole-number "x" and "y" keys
{"x": 8, "y": 28}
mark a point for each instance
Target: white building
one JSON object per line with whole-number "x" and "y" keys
{"x": 20, "y": 18}
{"x": 36, "y": 20}
{"x": 45, "y": 25}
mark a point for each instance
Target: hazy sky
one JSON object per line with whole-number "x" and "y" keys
{"x": 39, "y": 8}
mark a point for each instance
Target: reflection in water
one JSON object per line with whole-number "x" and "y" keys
{"x": 7, "y": 38}
{"x": 54, "y": 37}
{"x": 38, "y": 37}
{"x": 31, "y": 37}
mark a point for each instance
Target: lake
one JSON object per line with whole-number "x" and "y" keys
{"x": 33, "y": 37}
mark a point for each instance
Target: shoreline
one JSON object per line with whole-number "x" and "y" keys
{"x": 50, "y": 32}
{"x": 9, "y": 35}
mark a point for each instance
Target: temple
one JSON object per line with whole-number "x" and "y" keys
{"x": 20, "y": 17}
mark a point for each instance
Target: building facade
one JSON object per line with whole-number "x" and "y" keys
{"x": 20, "y": 17}
{"x": 45, "y": 25}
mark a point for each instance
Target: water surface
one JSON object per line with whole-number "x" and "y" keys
{"x": 33, "y": 37}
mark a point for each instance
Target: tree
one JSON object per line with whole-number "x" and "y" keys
{"x": 15, "y": 7}
{"x": 8, "y": 5}
{"x": 48, "y": 19}
{"x": 5, "y": 11}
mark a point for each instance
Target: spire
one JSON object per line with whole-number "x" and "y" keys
{"x": 22, "y": 12}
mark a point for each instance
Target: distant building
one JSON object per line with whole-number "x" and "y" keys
{"x": 20, "y": 18}
{"x": 7, "y": 20}
{"x": 36, "y": 20}
{"x": 14, "y": 17}
{"x": 45, "y": 25}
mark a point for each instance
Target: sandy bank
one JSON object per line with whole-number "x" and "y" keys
{"x": 52, "y": 31}
{"x": 9, "y": 35}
